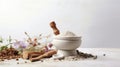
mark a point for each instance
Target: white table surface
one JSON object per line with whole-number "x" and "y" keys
{"x": 112, "y": 59}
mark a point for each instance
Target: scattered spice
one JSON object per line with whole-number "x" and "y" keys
{"x": 79, "y": 56}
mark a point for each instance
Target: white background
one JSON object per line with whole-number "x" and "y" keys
{"x": 97, "y": 21}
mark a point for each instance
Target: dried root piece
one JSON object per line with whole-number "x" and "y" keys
{"x": 55, "y": 29}
{"x": 27, "y": 54}
{"x": 47, "y": 54}
{"x": 34, "y": 55}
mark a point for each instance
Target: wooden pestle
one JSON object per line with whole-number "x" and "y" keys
{"x": 55, "y": 29}
{"x": 27, "y": 54}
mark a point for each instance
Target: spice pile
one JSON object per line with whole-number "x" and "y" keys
{"x": 9, "y": 53}
{"x": 85, "y": 55}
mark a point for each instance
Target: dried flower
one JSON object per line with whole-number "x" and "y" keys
{"x": 19, "y": 44}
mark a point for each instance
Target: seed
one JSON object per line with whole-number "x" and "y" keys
{"x": 78, "y": 52}
{"x": 17, "y": 59}
{"x": 41, "y": 60}
{"x": 104, "y": 54}
{"x": 25, "y": 61}
{"x": 17, "y": 62}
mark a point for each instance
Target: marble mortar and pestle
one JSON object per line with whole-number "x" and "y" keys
{"x": 66, "y": 43}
